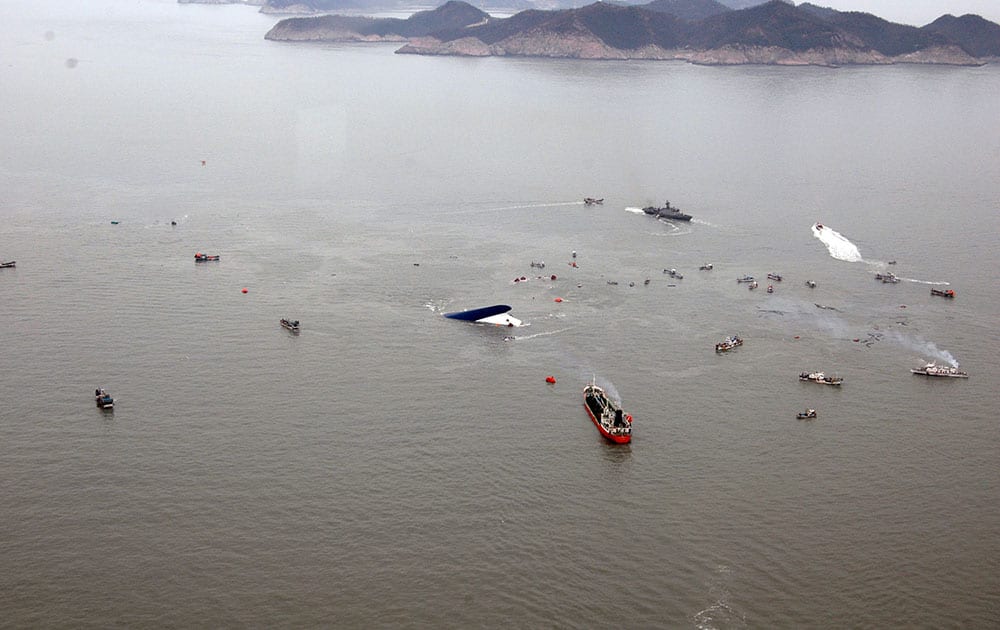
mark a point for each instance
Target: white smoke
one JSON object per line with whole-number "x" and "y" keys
{"x": 925, "y": 348}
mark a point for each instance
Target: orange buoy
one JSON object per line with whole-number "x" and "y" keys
{"x": 244, "y": 290}
{"x": 550, "y": 379}
{"x": 558, "y": 299}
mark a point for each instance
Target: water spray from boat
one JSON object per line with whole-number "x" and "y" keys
{"x": 838, "y": 246}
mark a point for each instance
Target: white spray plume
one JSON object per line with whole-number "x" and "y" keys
{"x": 925, "y": 348}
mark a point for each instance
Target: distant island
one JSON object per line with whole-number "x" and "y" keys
{"x": 698, "y": 31}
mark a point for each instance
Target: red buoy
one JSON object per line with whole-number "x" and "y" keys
{"x": 550, "y": 379}
{"x": 244, "y": 290}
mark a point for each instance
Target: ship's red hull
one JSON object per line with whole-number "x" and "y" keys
{"x": 617, "y": 439}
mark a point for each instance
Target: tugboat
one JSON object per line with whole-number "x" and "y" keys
{"x": 806, "y": 415}
{"x": 103, "y": 399}
{"x": 199, "y": 257}
{"x": 810, "y": 284}
{"x": 932, "y": 369}
{"x": 667, "y": 212}
{"x": 728, "y": 343}
{"x": 7, "y": 265}
{"x": 821, "y": 378}
{"x": 948, "y": 293}
{"x": 290, "y": 324}
{"x": 745, "y": 279}
{"x": 774, "y": 276}
{"x": 608, "y": 417}
{"x": 590, "y": 201}
{"x": 705, "y": 267}
{"x": 673, "y": 274}
{"x": 887, "y": 277}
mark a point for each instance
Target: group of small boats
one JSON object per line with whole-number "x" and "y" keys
{"x": 821, "y": 378}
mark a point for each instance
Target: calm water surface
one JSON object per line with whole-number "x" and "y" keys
{"x": 389, "y": 467}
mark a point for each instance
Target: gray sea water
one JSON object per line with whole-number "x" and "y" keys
{"x": 389, "y": 467}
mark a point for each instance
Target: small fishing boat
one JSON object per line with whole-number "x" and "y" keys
{"x": 821, "y": 378}
{"x": 774, "y": 276}
{"x": 290, "y": 324}
{"x": 887, "y": 277}
{"x": 807, "y": 414}
{"x": 706, "y": 267}
{"x": 727, "y": 344}
{"x": 590, "y": 201}
{"x": 948, "y": 293}
{"x": 613, "y": 423}
{"x": 7, "y": 265}
{"x": 810, "y": 284}
{"x": 103, "y": 399}
{"x": 745, "y": 279}
{"x": 673, "y": 273}
{"x": 199, "y": 257}
{"x": 753, "y": 285}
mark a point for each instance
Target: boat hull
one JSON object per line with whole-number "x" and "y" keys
{"x": 617, "y": 439}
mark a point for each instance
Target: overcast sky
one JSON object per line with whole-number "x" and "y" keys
{"x": 915, "y": 12}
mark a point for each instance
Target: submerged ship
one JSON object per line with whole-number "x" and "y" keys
{"x": 667, "y": 212}
{"x": 947, "y": 371}
{"x": 613, "y": 423}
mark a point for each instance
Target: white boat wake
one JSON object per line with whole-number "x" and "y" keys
{"x": 838, "y": 246}
{"x": 923, "y": 281}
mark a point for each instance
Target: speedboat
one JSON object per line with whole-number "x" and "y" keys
{"x": 774, "y": 276}
{"x": 199, "y": 257}
{"x": 290, "y": 324}
{"x": 745, "y": 279}
{"x": 103, "y": 399}
{"x": 807, "y": 414}
{"x": 728, "y": 343}
{"x": 947, "y": 371}
{"x": 613, "y": 423}
{"x": 948, "y": 293}
{"x": 821, "y": 378}
{"x": 591, "y": 201}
